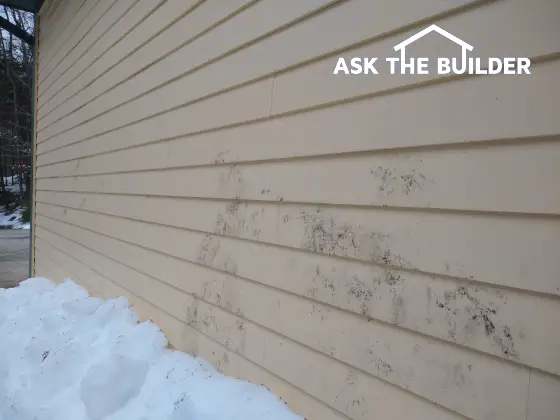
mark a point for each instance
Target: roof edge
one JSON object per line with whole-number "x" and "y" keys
{"x": 32, "y": 6}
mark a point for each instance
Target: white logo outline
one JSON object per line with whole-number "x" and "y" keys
{"x": 469, "y": 65}
{"x": 433, "y": 28}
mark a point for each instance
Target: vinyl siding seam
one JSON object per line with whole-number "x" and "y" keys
{"x": 232, "y": 51}
{"x": 379, "y": 94}
{"x": 272, "y": 95}
{"x": 188, "y": 41}
{"x": 208, "y": 62}
{"x": 282, "y": 28}
{"x": 529, "y": 395}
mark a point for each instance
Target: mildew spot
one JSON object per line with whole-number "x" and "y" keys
{"x": 323, "y": 279}
{"x": 358, "y": 289}
{"x": 233, "y": 221}
{"x": 395, "y": 260}
{"x": 458, "y": 375}
{"x": 323, "y": 233}
{"x": 230, "y": 266}
{"x": 413, "y": 181}
{"x": 232, "y": 208}
{"x": 222, "y": 226}
{"x": 208, "y": 250}
{"x": 392, "y": 279}
{"x": 231, "y": 182}
{"x": 393, "y": 181}
{"x": 192, "y": 313}
{"x": 351, "y": 377}
{"x": 399, "y": 310}
{"x": 220, "y": 156}
{"x": 478, "y": 314}
{"x": 383, "y": 368}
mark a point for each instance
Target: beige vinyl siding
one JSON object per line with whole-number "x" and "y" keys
{"x": 366, "y": 247}
{"x": 59, "y": 28}
{"x": 56, "y": 57}
{"x": 113, "y": 13}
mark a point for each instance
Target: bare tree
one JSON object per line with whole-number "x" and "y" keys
{"x": 16, "y": 76}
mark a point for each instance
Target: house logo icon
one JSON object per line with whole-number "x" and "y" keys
{"x": 433, "y": 28}
{"x": 445, "y": 65}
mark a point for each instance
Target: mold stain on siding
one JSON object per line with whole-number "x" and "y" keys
{"x": 456, "y": 313}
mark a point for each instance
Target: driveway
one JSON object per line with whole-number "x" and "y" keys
{"x": 14, "y": 257}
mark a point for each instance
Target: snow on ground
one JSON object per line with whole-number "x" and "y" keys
{"x": 12, "y": 220}
{"x": 67, "y": 356}
{"x": 13, "y": 185}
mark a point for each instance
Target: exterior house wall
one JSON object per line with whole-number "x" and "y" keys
{"x": 368, "y": 247}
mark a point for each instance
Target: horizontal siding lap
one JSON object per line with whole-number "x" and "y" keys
{"x": 481, "y": 317}
{"x": 483, "y": 27}
{"x": 137, "y": 51}
{"x": 240, "y": 70}
{"x": 218, "y": 200}
{"x": 84, "y": 47}
{"x": 205, "y": 48}
{"x": 321, "y": 89}
{"x": 50, "y": 30}
{"x": 187, "y": 338}
{"x": 85, "y": 27}
{"x": 368, "y": 124}
{"x": 399, "y": 238}
{"x": 95, "y": 283}
{"x": 482, "y": 179}
{"x": 141, "y": 23}
{"x": 544, "y": 396}
{"x": 64, "y": 33}
{"x": 257, "y": 104}
{"x": 412, "y": 355}
{"x": 49, "y": 269}
{"x": 206, "y": 314}
{"x": 271, "y": 351}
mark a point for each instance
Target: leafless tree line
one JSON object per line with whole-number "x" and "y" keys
{"x": 16, "y": 104}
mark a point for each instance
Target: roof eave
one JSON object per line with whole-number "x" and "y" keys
{"x": 32, "y": 6}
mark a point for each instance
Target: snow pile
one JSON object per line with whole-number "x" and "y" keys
{"x": 12, "y": 220}
{"x": 65, "y": 355}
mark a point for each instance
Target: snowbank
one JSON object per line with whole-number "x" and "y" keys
{"x": 65, "y": 355}
{"x": 12, "y": 220}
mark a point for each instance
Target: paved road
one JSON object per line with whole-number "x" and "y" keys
{"x": 14, "y": 257}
